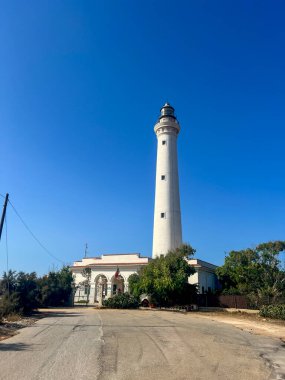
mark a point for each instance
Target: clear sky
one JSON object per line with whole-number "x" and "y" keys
{"x": 81, "y": 86}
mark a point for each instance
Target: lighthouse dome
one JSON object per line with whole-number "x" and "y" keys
{"x": 167, "y": 110}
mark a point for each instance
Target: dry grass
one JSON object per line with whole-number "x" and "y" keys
{"x": 241, "y": 315}
{"x": 13, "y": 318}
{"x": 10, "y": 325}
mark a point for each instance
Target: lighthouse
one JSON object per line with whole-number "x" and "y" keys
{"x": 167, "y": 231}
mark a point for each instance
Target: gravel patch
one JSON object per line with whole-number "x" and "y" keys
{"x": 10, "y": 325}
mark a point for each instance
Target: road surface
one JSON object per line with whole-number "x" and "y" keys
{"x": 84, "y": 343}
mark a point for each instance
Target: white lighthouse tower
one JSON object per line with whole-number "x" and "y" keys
{"x": 167, "y": 231}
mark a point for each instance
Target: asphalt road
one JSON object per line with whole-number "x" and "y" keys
{"x": 133, "y": 345}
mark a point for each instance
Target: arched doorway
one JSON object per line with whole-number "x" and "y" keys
{"x": 118, "y": 285}
{"x": 100, "y": 288}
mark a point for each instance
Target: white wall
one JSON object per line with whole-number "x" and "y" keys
{"x": 109, "y": 273}
{"x": 204, "y": 279}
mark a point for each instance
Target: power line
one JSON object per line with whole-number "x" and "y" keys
{"x": 1, "y": 195}
{"x": 34, "y": 236}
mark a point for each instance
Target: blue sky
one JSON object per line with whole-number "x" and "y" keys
{"x": 81, "y": 86}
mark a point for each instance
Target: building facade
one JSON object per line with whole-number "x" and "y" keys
{"x": 109, "y": 275}
{"x": 204, "y": 277}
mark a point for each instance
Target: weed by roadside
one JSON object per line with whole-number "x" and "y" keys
{"x": 241, "y": 315}
{"x": 10, "y": 325}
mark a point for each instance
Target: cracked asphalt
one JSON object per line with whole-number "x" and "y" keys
{"x": 85, "y": 343}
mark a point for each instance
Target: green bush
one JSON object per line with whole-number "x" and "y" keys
{"x": 21, "y": 293}
{"x": 82, "y": 301}
{"x": 10, "y": 305}
{"x": 273, "y": 311}
{"x": 122, "y": 301}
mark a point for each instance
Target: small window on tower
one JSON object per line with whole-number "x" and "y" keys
{"x": 163, "y": 177}
{"x": 162, "y": 215}
{"x": 163, "y": 142}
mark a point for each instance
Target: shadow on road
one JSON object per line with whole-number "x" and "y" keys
{"x": 13, "y": 346}
{"x": 58, "y": 314}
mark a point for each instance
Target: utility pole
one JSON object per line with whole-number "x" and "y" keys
{"x": 86, "y": 249}
{"x": 3, "y": 214}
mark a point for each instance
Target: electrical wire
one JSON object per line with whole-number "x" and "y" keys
{"x": 34, "y": 236}
{"x": 1, "y": 195}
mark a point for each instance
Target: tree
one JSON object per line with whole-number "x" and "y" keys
{"x": 165, "y": 279}
{"x": 86, "y": 273}
{"x": 134, "y": 284}
{"x": 27, "y": 290}
{"x": 19, "y": 291}
{"x": 8, "y": 282}
{"x": 22, "y": 292}
{"x": 254, "y": 271}
{"x": 56, "y": 287}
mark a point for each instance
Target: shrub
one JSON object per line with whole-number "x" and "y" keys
{"x": 122, "y": 301}
{"x": 10, "y": 305}
{"x": 273, "y": 311}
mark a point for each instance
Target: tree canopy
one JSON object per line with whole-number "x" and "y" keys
{"x": 165, "y": 279}
{"x": 19, "y": 292}
{"x": 56, "y": 287}
{"x": 22, "y": 292}
{"x": 254, "y": 271}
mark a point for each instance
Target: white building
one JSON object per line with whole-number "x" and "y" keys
{"x": 204, "y": 276}
{"x": 109, "y": 274}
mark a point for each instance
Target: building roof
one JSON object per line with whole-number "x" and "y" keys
{"x": 130, "y": 259}
{"x": 112, "y": 259}
{"x": 202, "y": 264}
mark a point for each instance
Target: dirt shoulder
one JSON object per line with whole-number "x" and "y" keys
{"x": 11, "y": 325}
{"x": 252, "y": 323}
